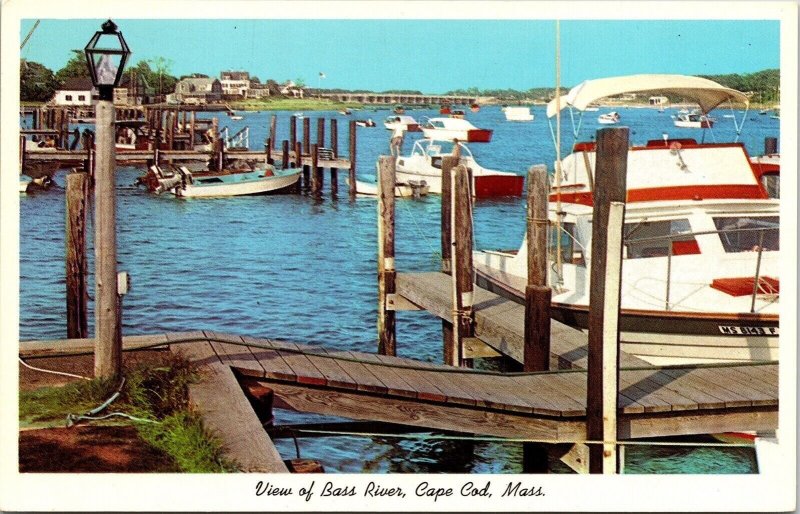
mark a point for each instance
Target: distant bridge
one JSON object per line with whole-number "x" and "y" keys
{"x": 398, "y": 98}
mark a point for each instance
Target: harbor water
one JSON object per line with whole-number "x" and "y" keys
{"x": 294, "y": 268}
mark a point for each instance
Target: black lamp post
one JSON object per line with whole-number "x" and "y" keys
{"x": 106, "y": 54}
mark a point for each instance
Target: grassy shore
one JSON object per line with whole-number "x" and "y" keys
{"x": 154, "y": 400}
{"x": 292, "y": 104}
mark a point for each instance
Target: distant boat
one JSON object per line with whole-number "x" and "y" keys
{"x": 474, "y": 107}
{"x": 693, "y": 120}
{"x": 447, "y": 129}
{"x": 609, "y": 118}
{"x": 345, "y": 112}
{"x": 518, "y": 114}
{"x": 444, "y": 109}
{"x": 459, "y": 114}
{"x": 299, "y": 115}
{"x": 410, "y": 189}
{"x": 232, "y": 115}
{"x": 399, "y": 109}
{"x": 365, "y": 123}
{"x": 407, "y": 123}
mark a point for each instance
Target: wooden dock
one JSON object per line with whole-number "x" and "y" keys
{"x": 499, "y": 322}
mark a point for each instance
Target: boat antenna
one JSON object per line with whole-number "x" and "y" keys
{"x": 559, "y": 212}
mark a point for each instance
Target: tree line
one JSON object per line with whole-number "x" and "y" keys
{"x": 764, "y": 86}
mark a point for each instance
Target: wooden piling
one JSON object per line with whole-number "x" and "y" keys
{"x": 192, "y": 120}
{"x": 335, "y": 150}
{"x": 461, "y": 220}
{"x": 273, "y": 130}
{"x": 285, "y": 154}
{"x": 108, "y": 350}
{"x": 298, "y": 159}
{"x": 352, "y": 150}
{"x": 171, "y": 130}
{"x": 605, "y": 283}
{"x": 448, "y": 163}
{"x": 770, "y": 145}
{"x": 292, "y": 131}
{"x": 386, "y": 268}
{"x": 268, "y": 144}
{"x": 316, "y": 171}
{"x": 22, "y": 154}
{"x": 77, "y": 195}
{"x": 537, "y": 294}
{"x": 321, "y": 132}
{"x": 306, "y": 133}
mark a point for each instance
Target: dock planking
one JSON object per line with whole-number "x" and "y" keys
{"x": 654, "y": 401}
{"x": 499, "y": 322}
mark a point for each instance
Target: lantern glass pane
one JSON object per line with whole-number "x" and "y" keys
{"x": 108, "y": 42}
{"x": 106, "y": 67}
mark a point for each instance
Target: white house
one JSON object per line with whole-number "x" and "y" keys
{"x": 198, "y": 90}
{"x": 76, "y": 91}
{"x": 291, "y": 89}
{"x": 235, "y": 83}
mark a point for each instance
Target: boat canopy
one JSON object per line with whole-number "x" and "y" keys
{"x": 707, "y": 93}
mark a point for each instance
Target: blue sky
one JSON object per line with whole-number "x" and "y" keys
{"x": 432, "y": 56}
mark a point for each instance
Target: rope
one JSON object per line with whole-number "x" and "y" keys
{"x": 52, "y": 371}
{"x": 432, "y": 437}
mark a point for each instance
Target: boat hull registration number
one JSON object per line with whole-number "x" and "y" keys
{"x": 734, "y": 330}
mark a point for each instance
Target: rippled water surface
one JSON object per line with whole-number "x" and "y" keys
{"x": 288, "y": 267}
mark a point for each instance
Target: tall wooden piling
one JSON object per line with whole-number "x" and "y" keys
{"x": 192, "y": 120}
{"x": 316, "y": 172}
{"x": 335, "y": 151}
{"x": 321, "y": 132}
{"x": 537, "y": 294}
{"x": 352, "y": 150}
{"x": 285, "y": 154}
{"x": 22, "y": 154}
{"x": 292, "y": 131}
{"x": 306, "y": 133}
{"x": 298, "y": 161}
{"x": 605, "y": 283}
{"x": 77, "y": 195}
{"x": 448, "y": 163}
{"x": 108, "y": 346}
{"x": 273, "y": 130}
{"x": 386, "y": 269}
{"x": 463, "y": 289}
{"x": 268, "y": 151}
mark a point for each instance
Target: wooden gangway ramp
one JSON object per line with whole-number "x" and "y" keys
{"x": 545, "y": 406}
{"x": 499, "y": 321}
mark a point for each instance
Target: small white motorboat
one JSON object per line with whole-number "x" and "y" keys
{"x": 448, "y": 129}
{"x": 609, "y": 118}
{"x": 407, "y": 123}
{"x": 693, "y": 119}
{"x": 518, "y": 114}
{"x": 424, "y": 164}
{"x": 365, "y": 123}
{"x": 24, "y": 182}
{"x": 410, "y": 189}
{"x": 187, "y": 184}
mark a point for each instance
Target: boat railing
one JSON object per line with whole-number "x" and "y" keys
{"x": 757, "y": 285}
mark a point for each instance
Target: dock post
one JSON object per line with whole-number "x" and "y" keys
{"x": 770, "y": 145}
{"x": 306, "y": 133}
{"x": 352, "y": 150}
{"x": 273, "y": 130}
{"x": 171, "y": 130}
{"x": 316, "y": 171}
{"x": 537, "y": 294}
{"x": 292, "y": 131}
{"x": 22, "y": 154}
{"x": 463, "y": 289}
{"x": 268, "y": 151}
{"x": 108, "y": 344}
{"x": 604, "y": 297}
{"x": 386, "y": 268}
{"x": 321, "y": 132}
{"x": 191, "y": 130}
{"x": 76, "y": 263}
{"x": 298, "y": 156}
{"x": 448, "y": 163}
{"x": 335, "y": 151}
{"x": 285, "y": 154}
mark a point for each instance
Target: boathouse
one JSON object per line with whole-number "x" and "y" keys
{"x": 201, "y": 90}
{"x": 75, "y": 91}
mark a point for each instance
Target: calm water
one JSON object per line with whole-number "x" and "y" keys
{"x": 286, "y": 267}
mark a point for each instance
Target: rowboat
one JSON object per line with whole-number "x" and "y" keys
{"x": 448, "y": 129}
{"x": 424, "y": 164}
{"x": 701, "y": 242}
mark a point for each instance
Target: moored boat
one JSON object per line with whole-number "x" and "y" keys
{"x": 183, "y": 183}
{"x": 424, "y": 164}
{"x": 518, "y": 113}
{"x": 701, "y": 242}
{"x": 693, "y": 119}
{"x": 448, "y": 129}
{"x": 365, "y": 123}
{"x": 406, "y": 123}
{"x": 410, "y": 189}
{"x": 609, "y": 118}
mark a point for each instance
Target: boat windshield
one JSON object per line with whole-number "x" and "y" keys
{"x": 748, "y": 233}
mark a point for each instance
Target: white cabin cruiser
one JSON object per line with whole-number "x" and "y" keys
{"x": 406, "y": 123}
{"x": 448, "y": 129}
{"x": 693, "y": 120}
{"x": 424, "y": 164}
{"x": 518, "y": 113}
{"x": 700, "y": 278}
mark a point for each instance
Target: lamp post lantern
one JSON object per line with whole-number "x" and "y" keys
{"x": 106, "y": 54}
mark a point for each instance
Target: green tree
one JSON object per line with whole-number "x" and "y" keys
{"x": 37, "y": 83}
{"x": 163, "y": 81}
{"x": 76, "y": 67}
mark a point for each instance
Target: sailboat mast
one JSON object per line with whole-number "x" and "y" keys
{"x": 559, "y": 214}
